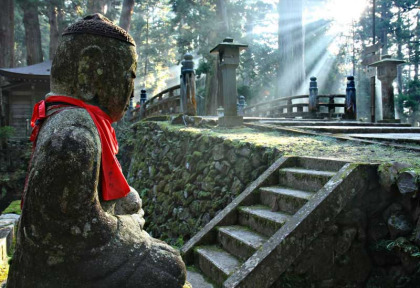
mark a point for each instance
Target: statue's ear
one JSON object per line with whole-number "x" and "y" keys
{"x": 90, "y": 69}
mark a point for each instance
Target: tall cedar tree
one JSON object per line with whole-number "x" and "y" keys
{"x": 32, "y": 31}
{"x": 127, "y": 11}
{"x": 291, "y": 43}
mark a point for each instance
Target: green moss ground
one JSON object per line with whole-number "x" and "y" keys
{"x": 309, "y": 146}
{"x": 13, "y": 208}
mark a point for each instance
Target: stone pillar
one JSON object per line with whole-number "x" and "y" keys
{"x": 313, "y": 96}
{"x": 228, "y": 58}
{"x": 386, "y": 73}
{"x": 350, "y": 108}
{"x": 188, "y": 103}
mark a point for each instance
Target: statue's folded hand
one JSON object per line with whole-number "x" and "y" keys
{"x": 131, "y": 205}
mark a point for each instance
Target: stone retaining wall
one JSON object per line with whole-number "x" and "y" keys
{"x": 374, "y": 242}
{"x": 186, "y": 178}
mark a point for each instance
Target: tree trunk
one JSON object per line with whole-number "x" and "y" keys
{"x": 55, "y": 19}
{"x": 400, "y": 55}
{"x": 127, "y": 11}
{"x": 291, "y": 42}
{"x": 223, "y": 15}
{"x": 385, "y": 19}
{"x": 416, "y": 49}
{"x": 95, "y": 6}
{"x": 32, "y": 33}
{"x": 213, "y": 96}
{"x": 7, "y": 34}
{"x": 54, "y": 35}
{"x": 212, "y": 90}
{"x": 146, "y": 50}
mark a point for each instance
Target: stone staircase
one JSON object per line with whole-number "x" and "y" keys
{"x": 240, "y": 240}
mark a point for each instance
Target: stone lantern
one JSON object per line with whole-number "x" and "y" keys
{"x": 228, "y": 56}
{"x": 386, "y": 73}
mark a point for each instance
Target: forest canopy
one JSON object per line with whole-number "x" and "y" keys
{"x": 289, "y": 41}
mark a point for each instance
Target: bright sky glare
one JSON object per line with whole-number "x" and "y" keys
{"x": 344, "y": 12}
{"x": 341, "y": 12}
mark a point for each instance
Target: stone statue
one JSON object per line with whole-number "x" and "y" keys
{"x": 69, "y": 236}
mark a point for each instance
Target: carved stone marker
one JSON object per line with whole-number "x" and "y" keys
{"x": 68, "y": 235}
{"x": 228, "y": 53}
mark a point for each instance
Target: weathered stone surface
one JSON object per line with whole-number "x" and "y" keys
{"x": 388, "y": 174}
{"x": 378, "y": 230}
{"x": 218, "y": 152}
{"x": 399, "y": 225}
{"x": 201, "y": 177}
{"x": 408, "y": 182}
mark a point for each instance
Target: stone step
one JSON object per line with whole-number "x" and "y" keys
{"x": 240, "y": 241}
{"x": 216, "y": 263}
{"x": 284, "y": 199}
{"x": 360, "y": 130}
{"x": 305, "y": 122}
{"x": 196, "y": 279}
{"x": 319, "y": 164}
{"x": 261, "y": 219}
{"x": 304, "y": 179}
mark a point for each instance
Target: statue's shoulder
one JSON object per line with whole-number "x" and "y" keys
{"x": 69, "y": 126}
{"x": 74, "y": 116}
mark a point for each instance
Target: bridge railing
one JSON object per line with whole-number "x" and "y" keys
{"x": 298, "y": 106}
{"x": 181, "y": 99}
{"x": 176, "y": 99}
{"x": 165, "y": 102}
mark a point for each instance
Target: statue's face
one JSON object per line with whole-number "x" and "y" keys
{"x": 96, "y": 69}
{"x": 119, "y": 86}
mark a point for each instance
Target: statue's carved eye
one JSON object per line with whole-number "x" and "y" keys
{"x": 130, "y": 75}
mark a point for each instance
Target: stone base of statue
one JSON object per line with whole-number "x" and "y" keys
{"x": 231, "y": 121}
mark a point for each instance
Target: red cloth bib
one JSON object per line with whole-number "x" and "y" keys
{"x": 114, "y": 185}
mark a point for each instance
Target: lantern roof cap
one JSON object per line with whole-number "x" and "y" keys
{"x": 387, "y": 60}
{"x": 228, "y": 42}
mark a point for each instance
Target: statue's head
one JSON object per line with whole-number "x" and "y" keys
{"x": 96, "y": 62}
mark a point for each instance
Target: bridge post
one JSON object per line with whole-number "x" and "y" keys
{"x": 143, "y": 96}
{"x": 143, "y": 99}
{"x": 228, "y": 58}
{"x": 313, "y": 97}
{"x": 241, "y": 105}
{"x": 350, "y": 107}
{"x": 188, "y": 103}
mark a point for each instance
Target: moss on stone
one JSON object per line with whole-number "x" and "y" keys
{"x": 314, "y": 146}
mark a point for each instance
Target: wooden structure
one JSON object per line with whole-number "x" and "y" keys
{"x": 21, "y": 88}
{"x": 176, "y": 99}
{"x": 298, "y": 106}
{"x": 310, "y": 106}
{"x": 188, "y": 103}
{"x": 165, "y": 102}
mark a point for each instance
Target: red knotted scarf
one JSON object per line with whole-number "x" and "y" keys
{"x": 114, "y": 184}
